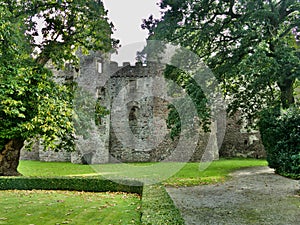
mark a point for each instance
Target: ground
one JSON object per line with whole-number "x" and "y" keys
{"x": 253, "y": 196}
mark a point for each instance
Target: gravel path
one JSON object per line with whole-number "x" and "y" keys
{"x": 253, "y": 196}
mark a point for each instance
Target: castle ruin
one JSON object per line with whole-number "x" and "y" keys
{"x": 135, "y": 128}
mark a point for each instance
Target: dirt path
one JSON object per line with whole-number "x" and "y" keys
{"x": 253, "y": 196}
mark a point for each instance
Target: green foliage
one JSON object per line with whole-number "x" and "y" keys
{"x": 32, "y": 104}
{"x": 187, "y": 83}
{"x": 280, "y": 131}
{"x": 87, "y": 109}
{"x": 251, "y": 47}
{"x": 297, "y": 91}
{"x": 67, "y": 25}
{"x": 158, "y": 207}
{"x": 68, "y": 183}
{"x": 32, "y": 34}
{"x": 100, "y": 112}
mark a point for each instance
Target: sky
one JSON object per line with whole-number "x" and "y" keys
{"x": 127, "y": 16}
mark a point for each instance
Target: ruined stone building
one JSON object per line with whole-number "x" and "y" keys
{"x": 135, "y": 128}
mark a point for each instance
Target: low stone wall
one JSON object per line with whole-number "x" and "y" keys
{"x": 30, "y": 155}
{"x": 37, "y": 153}
{"x": 54, "y": 156}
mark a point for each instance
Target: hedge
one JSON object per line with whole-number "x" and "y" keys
{"x": 69, "y": 183}
{"x": 280, "y": 131}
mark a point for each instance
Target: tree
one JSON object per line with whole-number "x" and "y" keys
{"x": 251, "y": 46}
{"x": 32, "y": 34}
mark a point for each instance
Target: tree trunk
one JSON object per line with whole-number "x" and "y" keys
{"x": 287, "y": 93}
{"x": 9, "y": 157}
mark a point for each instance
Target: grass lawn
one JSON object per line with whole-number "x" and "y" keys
{"x": 65, "y": 207}
{"x": 189, "y": 175}
{"x": 218, "y": 171}
{"x": 52, "y": 169}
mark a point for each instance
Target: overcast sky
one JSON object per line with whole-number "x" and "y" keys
{"x": 127, "y": 16}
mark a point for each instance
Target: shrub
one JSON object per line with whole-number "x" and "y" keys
{"x": 69, "y": 183}
{"x": 280, "y": 132}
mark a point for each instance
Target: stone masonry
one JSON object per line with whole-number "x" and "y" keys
{"x": 135, "y": 129}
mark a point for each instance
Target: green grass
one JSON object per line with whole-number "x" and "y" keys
{"x": 158, "y": 207}
{"x": 218, "y": 171}
{"x": 65, "y": 207}
{"x": 107, "y": 208}
{"x": 53, "y": 169}
{"x": 188, "y": 175}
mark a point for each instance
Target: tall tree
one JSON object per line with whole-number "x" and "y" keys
{"x": 251, "y": 46}
{"x": 33, "y": 33}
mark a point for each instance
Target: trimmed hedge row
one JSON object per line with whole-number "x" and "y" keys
{"x": 158, "y": 207}
{"x": 69, "y": 183}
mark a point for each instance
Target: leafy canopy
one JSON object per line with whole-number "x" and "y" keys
{"x": 33, "y": 33}
{"x": 252, "y": 47}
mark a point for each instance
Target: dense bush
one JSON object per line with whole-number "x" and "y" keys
{"x": 158, "y": 207}
{"x": 280, "y": 131}
{"x": 68, "y": 183}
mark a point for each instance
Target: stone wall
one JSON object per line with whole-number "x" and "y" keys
{"x": 54, "y": 156}
{"x": 138, "y": 128}
{"x": 135, "y": 130}
{"x": 94, "y": 147}
{"x": 238, "y": 142}
{"x": 33, "y": 154}
{"x": 38, "y": 153}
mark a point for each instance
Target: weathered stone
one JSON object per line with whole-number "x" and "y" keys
{"x": 240, "y": 143}
{"x": 33, "y": 154}
{"x": 135, "y": 130}
{"x": 54, "y": 156}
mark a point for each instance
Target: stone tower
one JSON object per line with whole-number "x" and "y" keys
{"x": 135, "y": 128}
